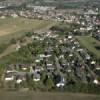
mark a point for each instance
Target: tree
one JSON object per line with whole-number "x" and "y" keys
{"x": 49, "y": 83}
{"x": 29, "y": 34}
{"x": 13, "y": 41}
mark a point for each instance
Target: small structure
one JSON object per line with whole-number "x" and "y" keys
{"x": 36, "y": 77}
{"x": 96, "y": 81}
{"x": 9, "y": 77}
{"x": 60, "y": 81}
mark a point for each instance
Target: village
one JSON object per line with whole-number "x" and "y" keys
{"x": 53, "y": 59}
{"x": 58, "y": 61}
{"x": 86, "y": 20}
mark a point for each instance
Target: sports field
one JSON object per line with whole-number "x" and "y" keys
{"x": 14, "y": 27}
{"x": 91, "y": 44}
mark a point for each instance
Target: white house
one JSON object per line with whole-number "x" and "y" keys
{"x": 9, "y": 77}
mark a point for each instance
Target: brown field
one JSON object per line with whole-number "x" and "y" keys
{"x": 15, "y": 27}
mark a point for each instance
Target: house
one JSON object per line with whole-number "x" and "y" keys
{"x": 70, "y": 55}
{"x": 48, "y": 55}
{"x": 24, "y": 67}
{"x": 49, "y": 65}
{"x": 50, "y": 68}
{"x": 61, "y": 56}
{"x": 82, "y": 29}
{"x": 89, "y": 28}
{"x": 2, "y": 17}
{"x": 63, "y": 49}
{"x": 76, "y": 44}
{"x": 70, "y": 37}
{"x": 37, "y": 60}
{"x": 61, "y": 82}
{"x": 84, "y": 54}
{"x": 45, "y": 55}
{"x": 42, "y": 55}
{"x": 20, "y": 78}
{"x": 69, "y": 70}
{"x": 38, "y": 69}
{"x": 93, "y": 62}
{"x": 9, "y": 77}
{"x": 35, "y": 37}
{"x": 14, "y": 15}
{"x": 97, "y": 36}
{"x": 10, "y": 69}
{"x": 63, "y": 62}
{"x": 36, "y": 76}
{"x": 95, "y": 81}
{"x": 97, "y": 68}
{"x": 91, "y": 12}
{"x": 18, "y": 81}
{"x": 31, "y": 70}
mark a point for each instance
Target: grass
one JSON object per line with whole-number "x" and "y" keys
{"x": 15, "y": 27}
{"x": 46, "y": 96}
{"x": 90, "y": 44}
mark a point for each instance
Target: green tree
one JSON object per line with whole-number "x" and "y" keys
{"x": 13, "y": 41}
{"x": 29, "y": 34}
{"x": 49, "y": 83}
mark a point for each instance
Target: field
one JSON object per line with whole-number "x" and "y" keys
{"x": 46, "y": 96}
{"x": 91, "y": 44}
{"x": 15, "y": 27}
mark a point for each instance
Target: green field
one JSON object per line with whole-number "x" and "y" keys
{"x": 46, "y": 96}
{"x": 15, "y": 27}
{"x": 90, "y": 44}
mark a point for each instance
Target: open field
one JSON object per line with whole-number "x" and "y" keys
{"x": 91, "y": 44}
{"x": 46, "y": 96}
{"x": 15, "y": 27}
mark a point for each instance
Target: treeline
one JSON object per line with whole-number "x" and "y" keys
{"x": 79, "y": 88}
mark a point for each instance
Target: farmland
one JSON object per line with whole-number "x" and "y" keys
{"x": 90, "y": 44}
{"x": 16, "y": 27}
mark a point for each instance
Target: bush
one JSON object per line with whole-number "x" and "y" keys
{"x": 3, "y": 47}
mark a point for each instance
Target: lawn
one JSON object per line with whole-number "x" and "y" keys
{"x": 14, "y": 27}
{"x": 90, "y": 44}
{"x": 46, "y": 96}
